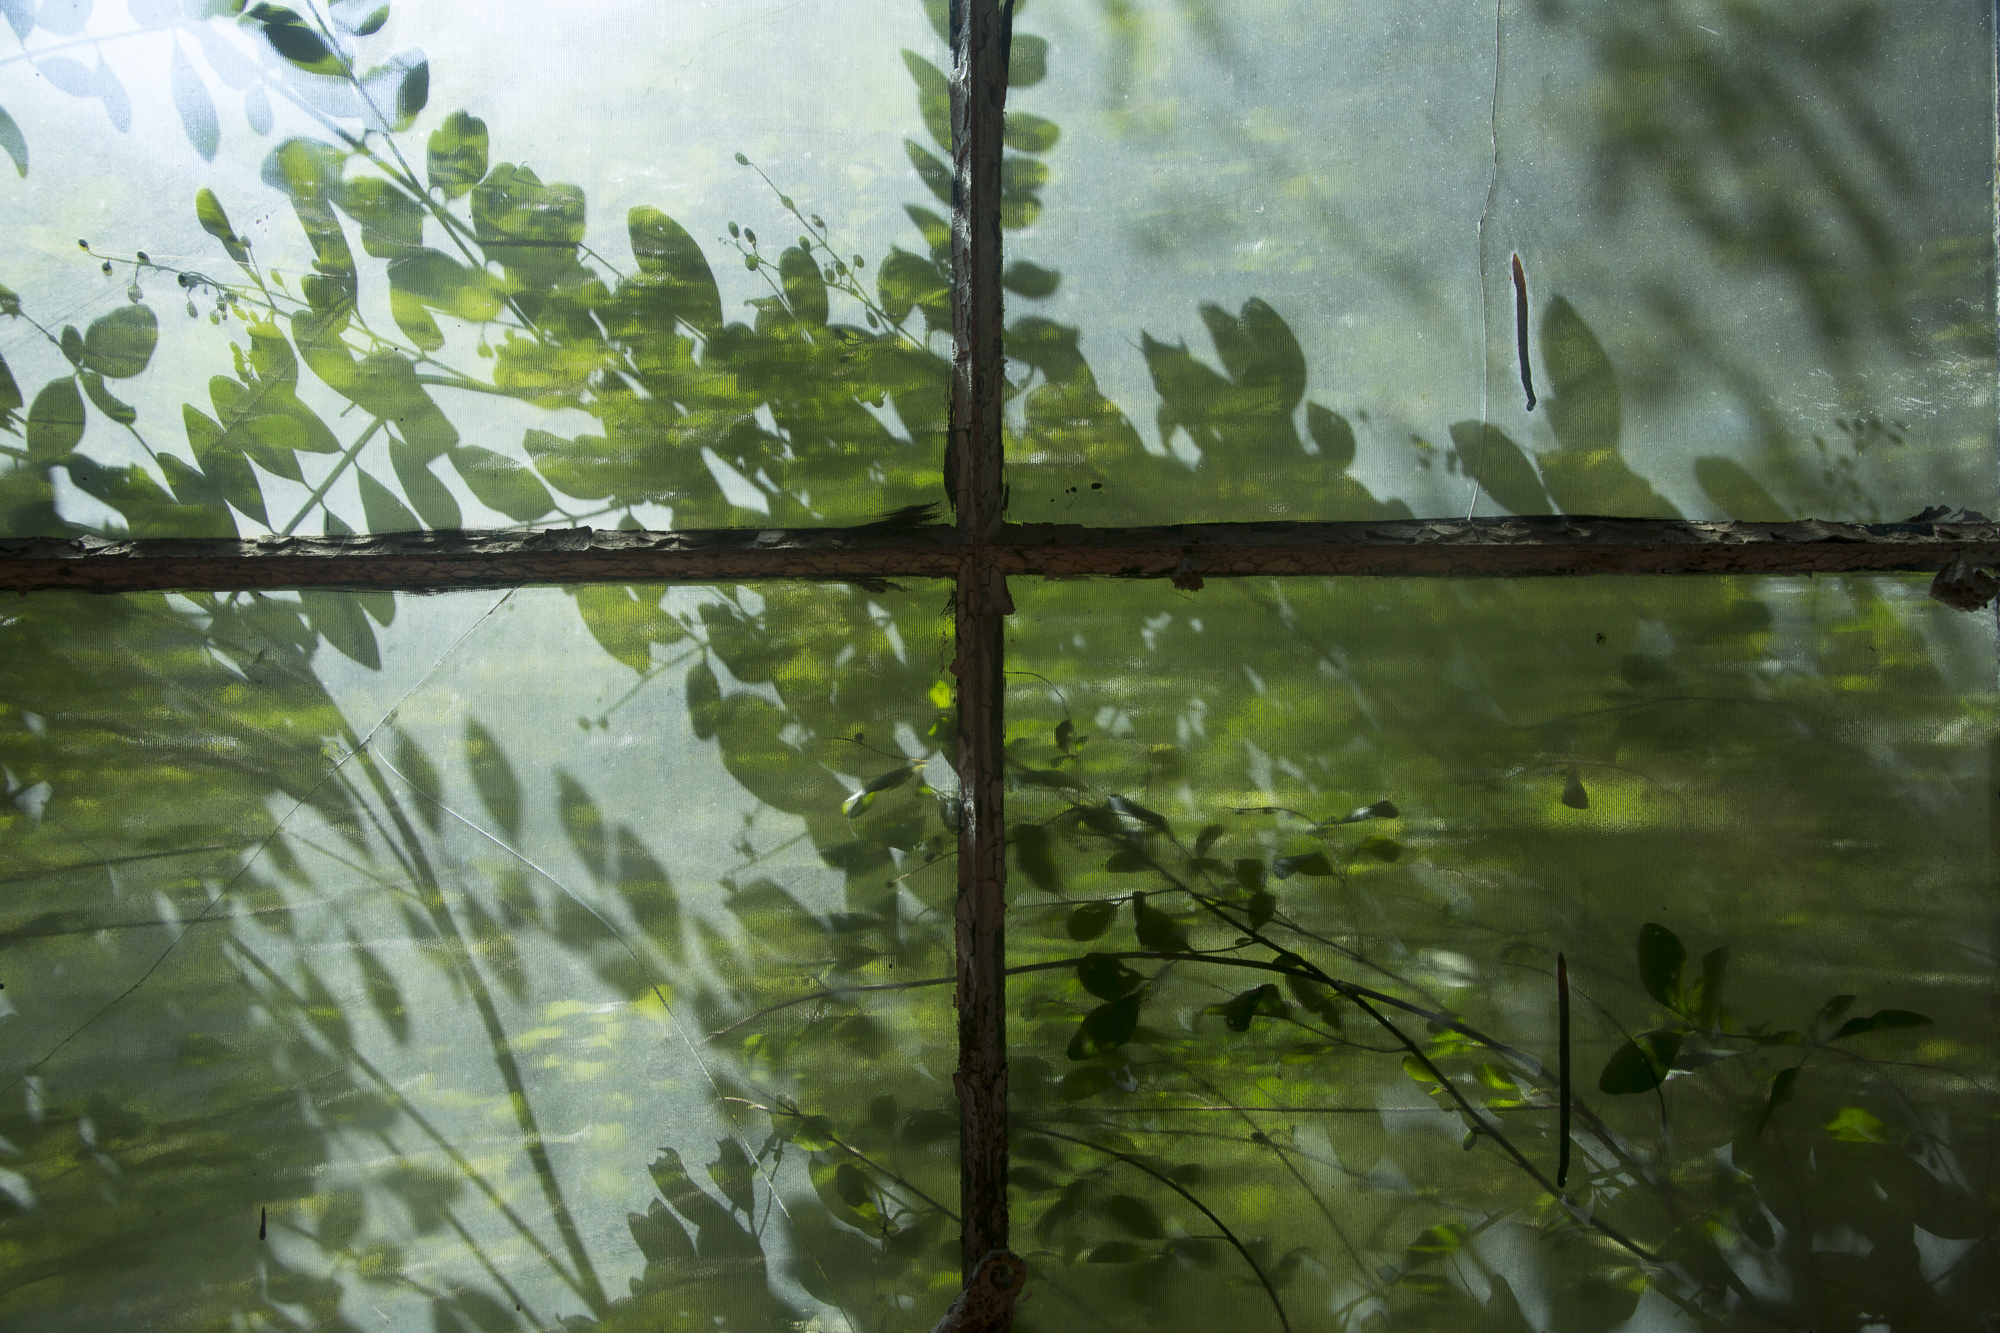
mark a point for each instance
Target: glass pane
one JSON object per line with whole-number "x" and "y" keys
{"x": 465, "y": 267}
{"x": 1756, "y": 248}
{"x": 1750, "y": 819}
{"x": 474, "y": 962}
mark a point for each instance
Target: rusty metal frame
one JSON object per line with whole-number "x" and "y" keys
{"x": 979, "y": 551}
{"x": 1410, "y": 548}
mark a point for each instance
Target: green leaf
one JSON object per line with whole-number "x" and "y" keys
{"x": 1031, "y": 280}
{"x": 1091, "y": 920}
{"x": 1133, "y": 810}
{"x": 584, "y": 822}
{"x": 208, "y": 210}
{"x": 1157, "y": 930}
{"x": 1027, "y": 61}
{"x": 429, "y": 496}
{"x": 385, "y": 997}
{"x": 11, "y": 140}
{"x": 224, "y": 468}
{"x": 119, "y": 345}
{"x": 121, "y": 413}
{"x": 1379, "y": 810}
{"x": 704, "y": 699}
{"x": 861, "y": 800}
{"x": 1106, "y": 977}
{"x": 804, "y": 286}
{"x": 455, "y": 157}
{"x": 10, "y": 396}
{"x": 1125, "y": 861}
{"x": 413, "y": 88}
{"x": 532, "y": 229}
{"x": 1851, "y": 1124}
{"x": 1107, "y": 1026}
{"x": 1315, "y": 998}
{"x": 1207, "y": 839}
{"x": 627, "y": 621}
{"x": 1035, "y": 854}
{"x": 1705, "y": 1001}
{"x": 933, "y": 97}
{"x": 1262, "y": 907}
{"x": 1237, "y": 1013}
{"x": 1489, "y": 456}
{"x": 381, "y": 511}
{"x": 501, "y": 483}
{"x": 1573, "y": 794}
{"x": 294, "y": 39}
{"x": 1881, "y": 1020}
{"x": 1661, "y": 957}
{"x": 1334, "y": 435}
{"x": 1382, "y": 849}
{"x": 1640, "y": 1065}
{"x": 908, "y": 282}
{"x": 675, "y": 271}
{"x": 1420, "y": 1074}
{"x": 1030, "y": 134}
{"x": 443, "y": 283}
{"x": 55, "y": 421}
{"x": 1440, "y": 1242}
{"x": 336, "y": 617}
{"x": 1250, "y": 873}
{"x": 392, "y": 223}
{"x": 1308, "y": 863}
{"x": 1781, "y": 1092}
{"x": 1831, "y": 1012}
{"x": 851, "y": 1183}
{"x": 419, "y": 772}
{"x": 493, "y": 778}
{"x": 1134, "y": 1215}
{"x": 935, "y": 175}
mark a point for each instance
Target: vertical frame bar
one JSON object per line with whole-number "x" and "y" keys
{"x": 973, "y": 476}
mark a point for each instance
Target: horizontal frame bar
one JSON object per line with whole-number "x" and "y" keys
{"x": 1435, "y": 548}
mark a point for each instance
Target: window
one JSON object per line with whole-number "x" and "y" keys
{"x": 1315, "y": 667}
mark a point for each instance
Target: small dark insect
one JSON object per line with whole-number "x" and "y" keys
{"x": 1562, "y": 1071}
{"x": 1521, "y": 329}
{"x": 260, "y": 1224}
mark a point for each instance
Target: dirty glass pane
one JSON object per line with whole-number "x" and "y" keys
{"x": 488, "y": 961}
{"x": 375, "y": 268}
{"x": 1266, "y": 270}
{"x": 1290, "y": 860}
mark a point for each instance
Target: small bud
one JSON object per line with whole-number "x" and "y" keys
{"x": 83, "y": 245}
{"x": 192, "y": 312}
{"x": 750, "y": 262}
{"x": 134, "y": 295}
{"x": 817, "y": 222}
{"x": 785, "y": 201}
{"x": 859, "y": 262}
{"x": 751, "y": 235}
{"x": 143, "y": 259}
{"x": 734, "y": 230}
{"x": 742, "y": 161}
{"x": 107, "y": 268}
